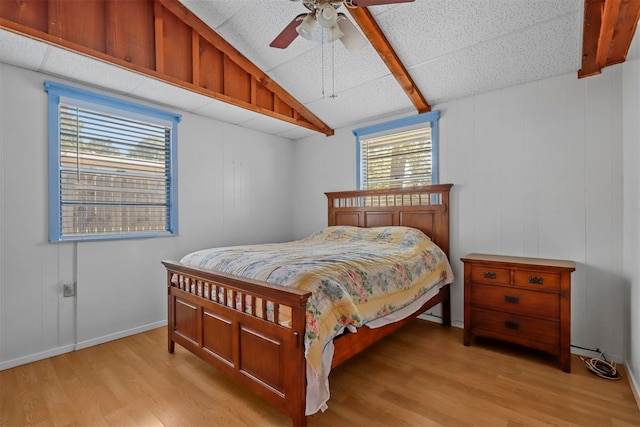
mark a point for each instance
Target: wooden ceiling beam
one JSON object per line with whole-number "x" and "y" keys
{"x": 609, "y": 27}
{"x": 372, "y": 31}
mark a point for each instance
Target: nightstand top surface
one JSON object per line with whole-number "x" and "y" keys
{"x": 520, "y": 260}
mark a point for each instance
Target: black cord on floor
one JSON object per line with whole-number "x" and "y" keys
{"x": 596, "y": 350}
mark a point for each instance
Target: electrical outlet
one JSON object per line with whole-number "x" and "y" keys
{"x": 69, "y": 289}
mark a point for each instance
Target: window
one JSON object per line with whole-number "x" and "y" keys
{"x": 112, "y": 167}
{"x": 400, "y": 153}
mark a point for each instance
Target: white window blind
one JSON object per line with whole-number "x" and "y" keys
{"x": 113, "y": 174}
{"x": 397, "y": 160}
{"x": 401, "y": 153}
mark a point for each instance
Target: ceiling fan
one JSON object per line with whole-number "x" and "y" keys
{"x": 325, "y": 13}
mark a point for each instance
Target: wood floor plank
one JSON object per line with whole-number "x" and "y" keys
{"x": 420, "y": 376}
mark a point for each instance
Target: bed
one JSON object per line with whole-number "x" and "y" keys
{"x": 258, "y": 332}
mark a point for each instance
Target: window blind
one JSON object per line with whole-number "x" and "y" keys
{"x": 402, "y": 159}
{"x": 113, "y": 173}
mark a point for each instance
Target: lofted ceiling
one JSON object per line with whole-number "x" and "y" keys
{"x": 436, "y": 51}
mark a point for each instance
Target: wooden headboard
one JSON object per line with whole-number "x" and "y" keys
{"x": 425, "y": 208}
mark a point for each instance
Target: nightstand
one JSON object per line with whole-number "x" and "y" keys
{"x": 526, "y": 301}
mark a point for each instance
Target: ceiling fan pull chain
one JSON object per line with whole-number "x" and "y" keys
{"x": 322, "y": 60}
{"x": 333, "y": 71}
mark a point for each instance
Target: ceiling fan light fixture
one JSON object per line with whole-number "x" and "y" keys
{"x": 352, "y": 39}
{"x": 327, "y": 15}
{"x": 305, "y": 29}
{"x": 334, "y": 33}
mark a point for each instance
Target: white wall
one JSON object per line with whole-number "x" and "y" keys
{"x": 631, "y": 242}
{"x": 537, "y": 172}
{"x": 234, "y": 187}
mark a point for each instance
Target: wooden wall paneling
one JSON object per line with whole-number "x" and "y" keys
{"x": 237, "y": 82}
{"x": 158, "y": 28}
{"x": 254, "y": 92}
{"x": 279, "y": 106}
{"x": 154, "y": 37}
{"x": 176, "y": 41}
{"x": 33, "y": 14}
{"x": 211, "y": 66}
{"x": 310, "y": 120}
{"x": 85, "y": 26}
{"x": 300, "y": 119}
{"x": 131, "y": 33}
{"x": 195, "y": 57}
{"x": 265, "y": 98}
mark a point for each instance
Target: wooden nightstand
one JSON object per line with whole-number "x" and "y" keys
{"x": 526, "y": 301}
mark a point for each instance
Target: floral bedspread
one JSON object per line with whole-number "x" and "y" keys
{"x": 355, "y": 274}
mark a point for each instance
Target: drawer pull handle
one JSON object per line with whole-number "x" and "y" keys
{"x": 511, "y": 300}
{"x": 536, "y": 280}
{"x": 489, "y": 275}
{"x": 511, "y": 325}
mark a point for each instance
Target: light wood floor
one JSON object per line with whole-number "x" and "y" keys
{"x": 420, "y": 376}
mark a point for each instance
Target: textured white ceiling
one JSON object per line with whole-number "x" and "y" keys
{"x": 451, "y": 48}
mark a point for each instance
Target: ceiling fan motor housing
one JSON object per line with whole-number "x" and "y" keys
{"x": 325, "y": 12}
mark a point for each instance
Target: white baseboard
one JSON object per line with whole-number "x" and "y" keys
{"x": 36, "y": 356}
{"x": 84, "y": 344}
{"x": 590, "y": 353}
{"x": 634, "y": 384}
{"x": 120, "y": 334}
{"x": 436, "y": 319}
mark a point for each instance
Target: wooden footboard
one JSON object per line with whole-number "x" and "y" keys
{"x": 252, "y": 331}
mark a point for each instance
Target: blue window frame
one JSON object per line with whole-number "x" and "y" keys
{"x": 398, "y": 153}
{"x": 112, "y": 167}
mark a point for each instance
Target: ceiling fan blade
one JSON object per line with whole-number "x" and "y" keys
{"x": 289, "y": 33}
{"x": 365, "y": 3}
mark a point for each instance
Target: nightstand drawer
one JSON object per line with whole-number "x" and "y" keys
{"x": 518, "y": 301}
{"x": 536, "y": 333}
{"x": 482, "y": 274}
{"x": 537, "y": 280}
